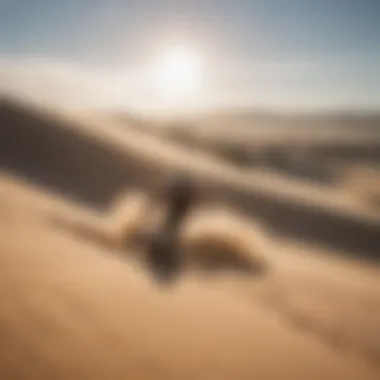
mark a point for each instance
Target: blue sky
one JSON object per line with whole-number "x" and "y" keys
{"x": 276, "y": 53}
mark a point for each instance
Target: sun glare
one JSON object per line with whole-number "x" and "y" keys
{"x": 178, "y": 71}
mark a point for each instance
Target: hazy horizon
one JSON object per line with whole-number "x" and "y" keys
{"x": 281, "y": 55}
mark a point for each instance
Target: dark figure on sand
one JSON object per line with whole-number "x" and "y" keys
{"x": 163, "y": 252}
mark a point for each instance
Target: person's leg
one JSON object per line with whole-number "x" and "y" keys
{"x": 165, "y": 258}
{"x": 164, "y": 253}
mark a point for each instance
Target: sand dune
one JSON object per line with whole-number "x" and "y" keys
{"x": 314, "y": 314}
{"x": 76, "y": 305}
{"x": 74, "y": 312}
{"x": 92, "y": 162}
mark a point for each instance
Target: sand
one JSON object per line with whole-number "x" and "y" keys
{"x": 74, "y": 311}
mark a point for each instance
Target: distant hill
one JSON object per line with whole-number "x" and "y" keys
{"x": 65, "y": 154}
{"x": 279, "y": 119}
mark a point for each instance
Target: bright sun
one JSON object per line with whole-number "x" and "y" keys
{"x": 178, "y": 71}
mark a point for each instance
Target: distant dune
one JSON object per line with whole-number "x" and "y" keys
{"x": 363, "y": 184}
